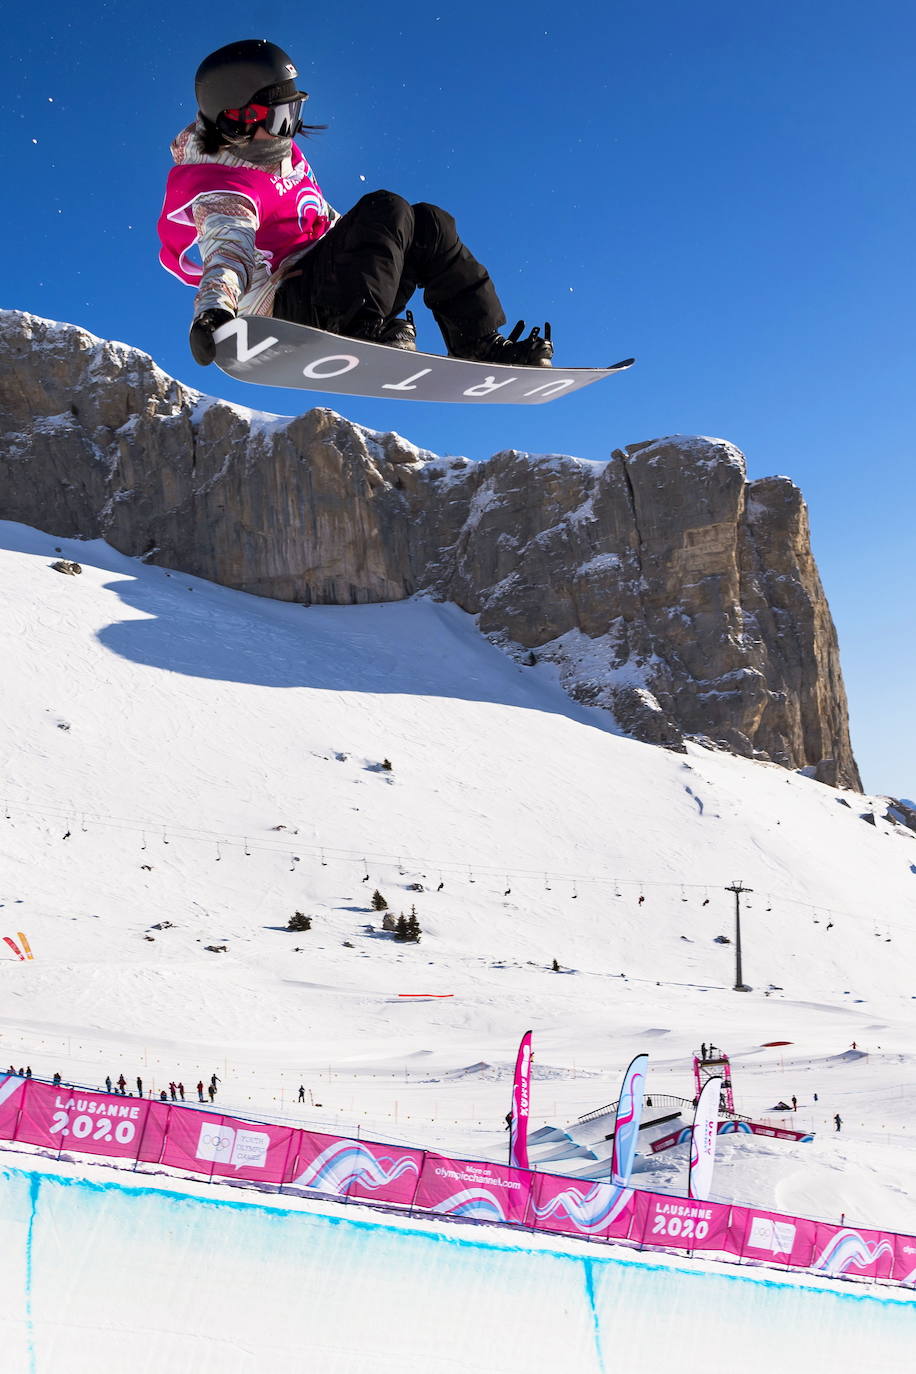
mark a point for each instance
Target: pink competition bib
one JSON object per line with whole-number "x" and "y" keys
{"x": 291, "y": 210}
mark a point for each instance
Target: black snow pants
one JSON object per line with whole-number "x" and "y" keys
{"x": 376, "y": 256}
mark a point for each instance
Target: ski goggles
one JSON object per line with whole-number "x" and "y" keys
{"x": 280, "y": 121}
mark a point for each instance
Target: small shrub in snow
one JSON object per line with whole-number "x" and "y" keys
{"x": 299, "y": 921}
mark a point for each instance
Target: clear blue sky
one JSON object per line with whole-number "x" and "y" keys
{"x": 724, "y": 190}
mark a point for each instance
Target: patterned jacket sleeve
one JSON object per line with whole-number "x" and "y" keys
{"x": 226, "y": 226}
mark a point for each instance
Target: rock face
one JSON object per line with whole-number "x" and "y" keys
{"x": 662, "y": 584}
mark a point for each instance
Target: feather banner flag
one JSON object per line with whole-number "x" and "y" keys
{"x": 521, "y": 1100}
{"x": 14, "y": 947}
{"x": 626, "y": 1124}
{"x": 25, "y": 945}
{"x": 703, "y": 1140}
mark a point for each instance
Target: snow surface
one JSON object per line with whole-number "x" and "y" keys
{"x": 176, "y": 752}
{"x": 197, "y": 1280}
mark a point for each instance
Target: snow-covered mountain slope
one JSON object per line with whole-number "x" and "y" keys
{"x": 173, "y": 752}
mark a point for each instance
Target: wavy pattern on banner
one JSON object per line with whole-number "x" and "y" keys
{"x": 848, "y": 1248}
{"x": 734, "y": 1128}
{"x": 589, "y": 1212}
{"x": 348, "y": 1162}
{"x": 472, "y": 1202}
{"x": 9, "y": 1086}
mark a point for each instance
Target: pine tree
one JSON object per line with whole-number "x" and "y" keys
{"x": 401, "y": 928}
{"x": 378, "y": 901}
{"x": 413, "y": 927}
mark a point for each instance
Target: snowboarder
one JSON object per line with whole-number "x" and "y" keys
{"x": 270, "y": 244}
{"x": 839, "y": 1120}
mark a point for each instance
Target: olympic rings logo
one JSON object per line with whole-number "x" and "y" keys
{"x": 216, "y": 1142}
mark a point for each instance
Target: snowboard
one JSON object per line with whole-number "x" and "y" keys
{"x": 269, "y": 352}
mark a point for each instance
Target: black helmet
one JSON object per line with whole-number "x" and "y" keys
{"x": 250, "y": 71}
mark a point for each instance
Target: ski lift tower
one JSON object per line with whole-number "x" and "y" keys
{"x": 715, "y": 1065}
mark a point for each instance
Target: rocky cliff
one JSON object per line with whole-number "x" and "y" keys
{"x": 662, "y": 584}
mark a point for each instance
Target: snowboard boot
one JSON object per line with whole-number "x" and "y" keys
{"x": 534, "y": 350}
{"x": 396, "y": 333}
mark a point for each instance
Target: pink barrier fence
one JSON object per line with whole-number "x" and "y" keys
{"x": 206, "y": 1143}
{"x": 682, "y": 1134}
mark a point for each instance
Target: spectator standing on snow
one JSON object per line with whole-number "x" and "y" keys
{"x": 108, "y": 1084}
{"x": 703, "y": 1051}
{"x": 28, "y": 1071}
{"x": 200, "y": 1091}
{"x": 794, "y": 1103}
{"x": 214, "y": 1080}
{"x": 301, "y": 1092}
{"x": 139, "y": 1086}
{"x": 122, "y": 1084}
{"x": 173, "y": 1092}
{"x": 211, "y": 1092}
{"x": 56, "y": 1080}
{"x": 181, "y": 1091}
{"x": 839, "y": 1120}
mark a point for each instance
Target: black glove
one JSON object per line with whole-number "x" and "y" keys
{"x": 201, "y": 337}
